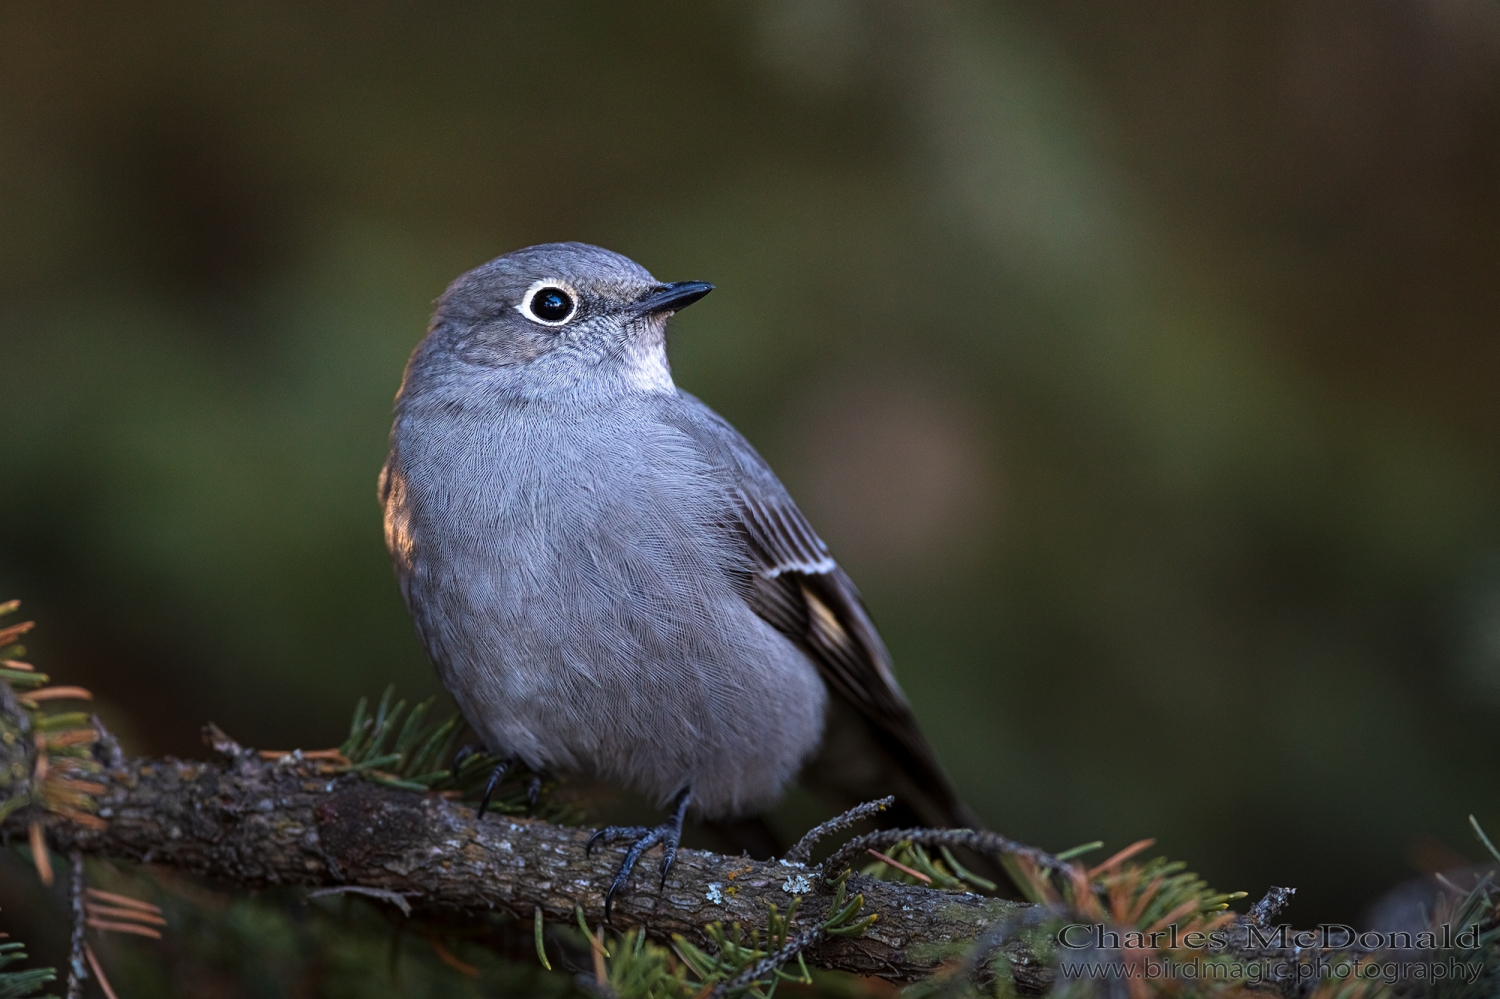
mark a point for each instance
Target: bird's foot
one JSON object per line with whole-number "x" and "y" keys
{"x": 533, "y": 783}
{"x": 668, "y": 834}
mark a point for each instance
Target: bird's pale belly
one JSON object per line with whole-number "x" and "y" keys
{"x": 581, "y": 654}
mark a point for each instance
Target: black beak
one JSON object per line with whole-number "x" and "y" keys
{"x": 672, "y": 297}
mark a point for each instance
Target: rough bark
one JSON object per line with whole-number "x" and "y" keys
{"x": 255, "y": 822}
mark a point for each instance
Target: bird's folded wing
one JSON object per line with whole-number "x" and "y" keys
{"x": 797, "y": 587}
{"x": 801, "y": 591}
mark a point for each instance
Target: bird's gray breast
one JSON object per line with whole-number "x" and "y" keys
{"x": 578, "y": 586}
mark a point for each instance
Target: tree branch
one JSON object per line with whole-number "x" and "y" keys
{"x": 255, "y": 823}
{"x": 313, "y": 820}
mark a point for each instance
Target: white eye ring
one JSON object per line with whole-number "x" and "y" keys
{"x": 528, "y": 301}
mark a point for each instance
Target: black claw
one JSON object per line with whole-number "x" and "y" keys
{"x": 533, "y": 791}
{"x": 668, "y": 834}
{"x": 668, "y": 854}
{"x": 672, "y": 835}
{"x": 489, "y": 788}
{"x": 464, "y": 752}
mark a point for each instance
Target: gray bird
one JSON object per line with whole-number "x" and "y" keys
{"x": 610, "y": 579}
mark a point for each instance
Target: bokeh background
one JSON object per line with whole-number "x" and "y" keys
{"x": 1138, "y": 360}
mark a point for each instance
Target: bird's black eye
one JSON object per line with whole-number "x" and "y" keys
{"x": 551, "y": 305}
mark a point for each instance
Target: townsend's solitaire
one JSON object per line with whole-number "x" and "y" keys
{"x": 609, "y": 578}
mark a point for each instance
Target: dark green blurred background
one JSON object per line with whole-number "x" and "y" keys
{"x": 1138, "y": 361}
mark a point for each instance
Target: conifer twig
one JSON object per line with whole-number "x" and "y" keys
{"x": 979, "y": 840}
{"x": 1274, "y": 900}
{"x": 803, "y": 848}
{"x": 77, "y": 972}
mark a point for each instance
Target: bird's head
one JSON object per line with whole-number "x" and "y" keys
{"x": 556, "y": 318}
